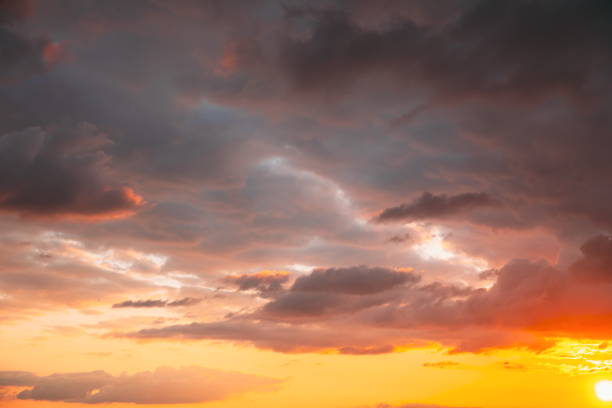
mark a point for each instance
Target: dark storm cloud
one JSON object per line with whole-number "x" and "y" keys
{"x": 425, "y": 47}
{"x": 524, "y": 88}
{"x": 60, "y": 172}
{"x": 188, "y": 301}
{"x": 510, "y": 49}
{"x": 162, "y": 386}
{"x": 435, "y": 206}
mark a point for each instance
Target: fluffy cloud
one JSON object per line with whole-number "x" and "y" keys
{"x": 58, "y": 172}
{"x": 162, "y": 386}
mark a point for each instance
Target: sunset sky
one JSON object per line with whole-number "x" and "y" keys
{"x": 305, "y": 203}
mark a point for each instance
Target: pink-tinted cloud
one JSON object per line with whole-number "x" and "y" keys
{"x": 527, "y": 300}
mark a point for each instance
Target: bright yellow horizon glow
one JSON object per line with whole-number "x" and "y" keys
{"x": 603, "y": 389}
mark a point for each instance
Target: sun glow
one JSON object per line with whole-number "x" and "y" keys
{"x": 603, "y": 389}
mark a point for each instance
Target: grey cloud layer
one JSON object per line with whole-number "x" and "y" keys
{"x": 263, "y": 135}
{"x": 159, "y": 141}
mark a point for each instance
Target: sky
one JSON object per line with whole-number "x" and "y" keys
{"x": 305, "y": 203}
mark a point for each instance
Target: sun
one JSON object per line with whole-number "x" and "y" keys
{"x": 603, "y": 389}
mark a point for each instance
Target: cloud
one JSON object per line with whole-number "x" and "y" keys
{"x": 595, "y": 265}
{"x": 528, "y": 302}
{"x": 162, "y": 386}
{"x": 141, "y": 303}
{"x": 14, "y": 10}
{"x": 265, "y": 135}
{"x": 266, "y": 282}
{"x": 435, "y": 206}
{"x": 365, "y": 351}
{"x": 22, "y": 55}
{"x": 337, "y": 290}
{"x": 59, "y": 172}
{"x": 41, "y": 272}
{"x": 71, "y": 387}
{"x": 529, "y": 61}
{"x": 357, "y": 280}
{"x": 16, "y": 378}
{"x": 187, "y": 301}
{"x": 277, "y": 336}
